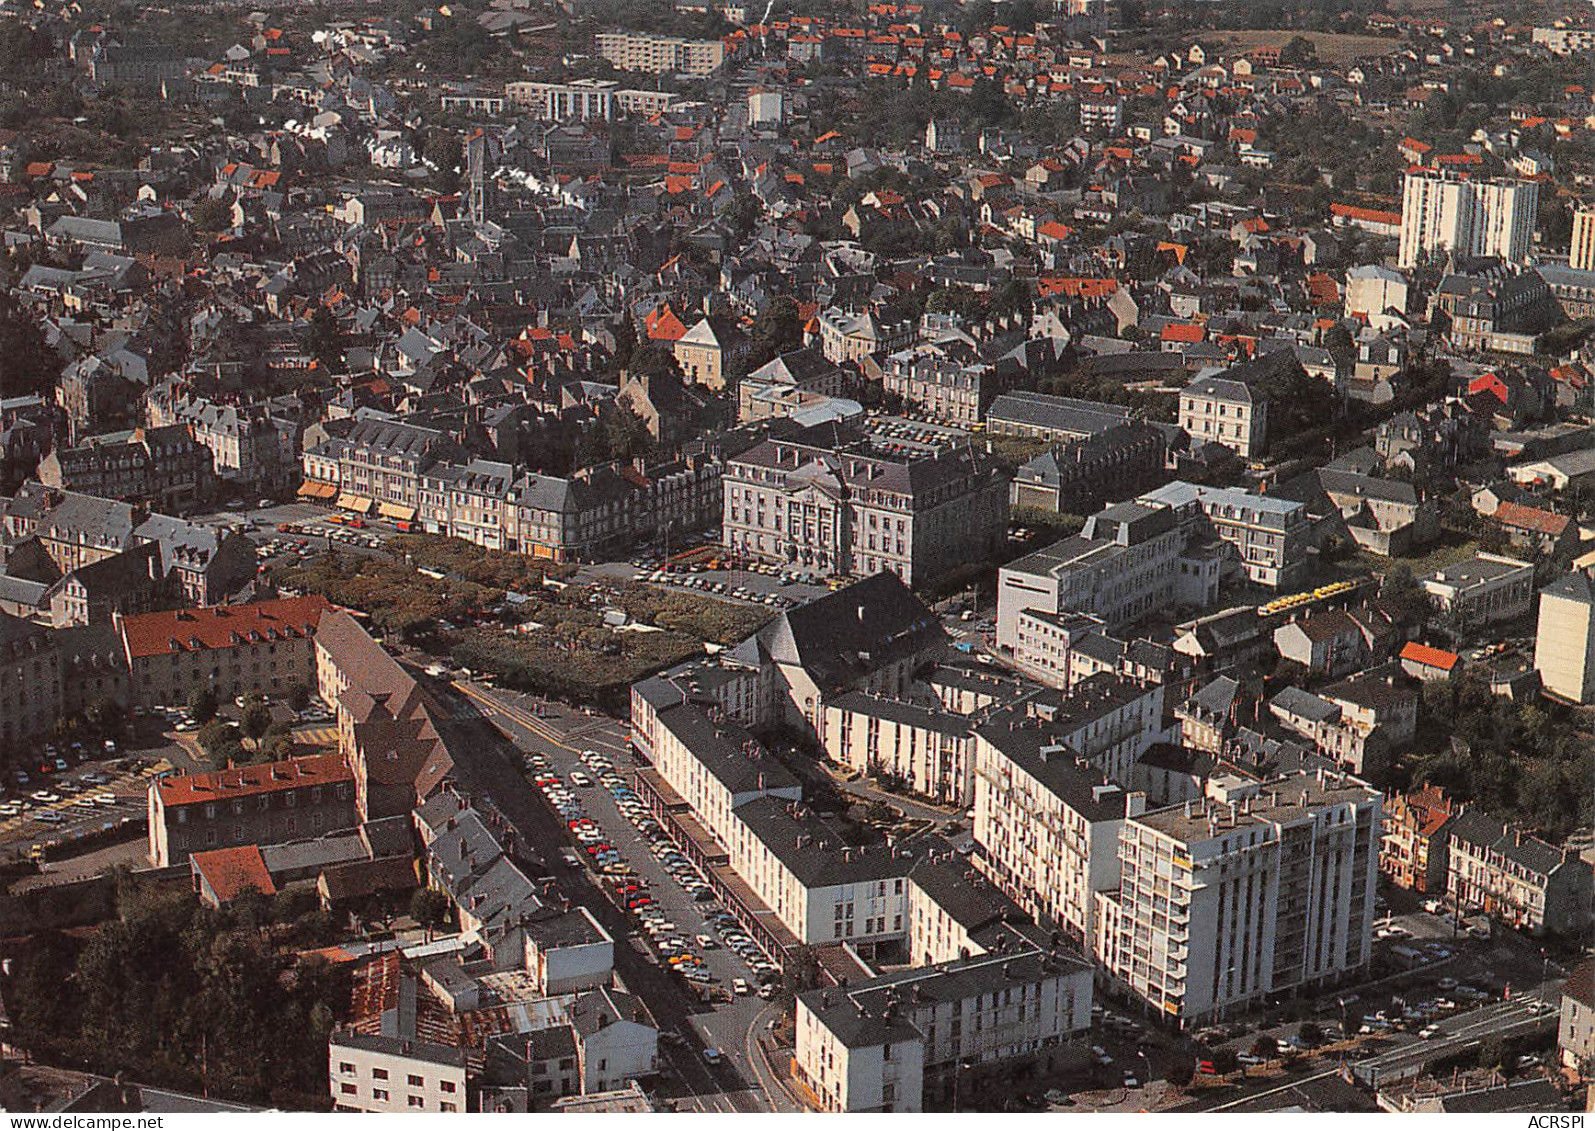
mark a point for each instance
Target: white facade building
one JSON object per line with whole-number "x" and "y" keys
{"x": 1443, "y": 212}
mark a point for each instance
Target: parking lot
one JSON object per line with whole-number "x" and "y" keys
{"x": 674, "y": 930}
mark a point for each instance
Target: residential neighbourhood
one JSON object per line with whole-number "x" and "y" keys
{"x": 618, "y": 557}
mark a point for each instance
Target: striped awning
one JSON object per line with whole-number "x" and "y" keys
{"x": 357, "y": 503}
{"x": 396, "y": 511}
{"x": 310, "y": 489}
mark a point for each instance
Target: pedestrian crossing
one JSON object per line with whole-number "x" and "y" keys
{"x": 317, "y": 736}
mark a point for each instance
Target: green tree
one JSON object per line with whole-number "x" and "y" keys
{"x": 202, "y": 704}
{"x": 256, "y": 717}
{"x": 209, "y": 214}
{"x": 430, "y": 908}
{"x": 298, "y": 696}
{"x": 325, "y": 339}
{"x": 27, "y": 365}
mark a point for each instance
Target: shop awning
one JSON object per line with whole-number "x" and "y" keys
{"x": 310, "y": 489}
{"x": 357, "y": 503}
{"x": 396, "y": 512}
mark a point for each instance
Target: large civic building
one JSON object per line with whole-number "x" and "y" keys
{"x": 840, "y": 502}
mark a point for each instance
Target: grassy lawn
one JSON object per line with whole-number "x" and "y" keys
{"x": 567, "y": 651}
{"x": 1450, "y": 548}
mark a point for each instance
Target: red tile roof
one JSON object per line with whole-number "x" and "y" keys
{"x": 231, "y": 872}
{"x": 252, "y": 781}
{"x": 1429, "y": 657}
{"x": 220, "y": 626}
{"x": 1531, "y": 518}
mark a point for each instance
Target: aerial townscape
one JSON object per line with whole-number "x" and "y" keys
{"x": 630, "y": 556}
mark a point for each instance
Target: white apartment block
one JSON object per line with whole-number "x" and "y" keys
{"x": 711, "y": 763}
{"x": 1581, "y": 253}
{"x": 395, "y": 1076}
{"x": 924, "y": 748}
{"x": 584, "y": 100}
{"x": 660, "y": 54}
{"x": 1446, "y": 212}
{"x": 1046, "y": 822}
{"x": 1123, "y": 565}
{"x": 1223, "y": 905}
{"x": 1564, "y": 643}
{"x": 823, "y": 890}
{"x": 888, "y": 1043}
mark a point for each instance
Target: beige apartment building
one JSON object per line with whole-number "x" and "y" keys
{"x": 660, "y": 54}
{"x": 1564, "y": 642}
{"x": 1225, "y": 412}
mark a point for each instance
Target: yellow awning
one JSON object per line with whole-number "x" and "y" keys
{"x": 396, "y": 511}
{"x": 310, "y": 489}
{"x": 357, "y": 503}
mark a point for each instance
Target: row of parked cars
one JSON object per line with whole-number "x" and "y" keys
{"x": 676, "y": 949}
{"x": 720, "y": 588}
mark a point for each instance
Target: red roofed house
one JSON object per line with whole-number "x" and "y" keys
{"x": 1426, "y": 663}
{"x": 662, "y": 325}
{"x": 263, "y": 647}
{"x": 1534, "y": 528}
{"x": 224, "y": 874}
{"x": 266, "y": 804}
{"x": 1416, "y": 832}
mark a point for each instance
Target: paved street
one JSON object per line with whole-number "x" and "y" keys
{"x": 741, "y": 1082}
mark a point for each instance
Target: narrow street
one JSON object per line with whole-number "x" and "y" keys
{"x": 503, "y": 724}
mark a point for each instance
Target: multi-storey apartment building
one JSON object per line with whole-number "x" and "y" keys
{"x": 946, "y": 382}
{"x": 263, "y": 647}
{"x": 660, "y": 54}
{"x": 410, "y": 473}
{"x": 30, "y": 681}
{"x": 248, "y": 444}
{"x": 1415, "y": 850}
{"x": 394, "y": 1075}
{"x": 583, "y": 100}
{"x": 1530, "y": 885}
{"x": 837, "y": 502}
{"x": 260, "y": 804}
{"x": 922, "y": 747}
{"x": 891, "y": 1042}
{"x": 1224, "y": 903}
{"x": 1047, "y": 821}
{"x": 1446, "y": 212}
{"x": 1270, "y": 535}
{"x": 1581, "y": 254}
{"x": 161, "y": 467}
{"x": 1125, "y": 563}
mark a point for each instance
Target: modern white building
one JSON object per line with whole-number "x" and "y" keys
{"x": 1581, "y": 253}
{"x": 1227, "y": 902}
{"x": 1447, "y": 212}
{"x": 1481, "y": 590}
{"x": 583, "y": 100}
